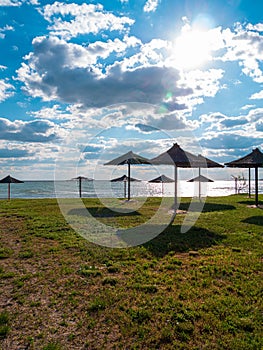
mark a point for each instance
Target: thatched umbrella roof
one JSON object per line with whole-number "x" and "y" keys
{"x": 80, "y": 178}
{"x": 200, "y": 178}
{"x": 123, "y": 178}
{"x": 162, "y": 178}
{"x": 203, "y": 162}
{"x": 129, "y": 158}
{"x": 10, "y": 180}
{"x": 176, "y": 156}
{"x": 208, "y": 163}
{"x": 252, "y": 160}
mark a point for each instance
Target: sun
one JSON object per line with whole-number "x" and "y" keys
{"x": 191, "y": 49}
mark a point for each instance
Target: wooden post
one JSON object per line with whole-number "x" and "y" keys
{"x": 256, "y": 185}
{"x": 175, "y": 188}
{"x": 129, "y": 181}
{"x": 125, "y": 185}
{"x": 199, "y": 184}
{"x": 9, "y": 191}
{"x": 249, "y": 185}
{"x": 80, "y": 187}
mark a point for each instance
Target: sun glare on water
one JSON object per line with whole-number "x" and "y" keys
{"x": 191, "y": 49}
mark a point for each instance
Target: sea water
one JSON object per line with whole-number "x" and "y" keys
{"x": 106, "y": 189}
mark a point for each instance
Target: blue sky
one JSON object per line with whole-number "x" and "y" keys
{"x": 83, "y": 82}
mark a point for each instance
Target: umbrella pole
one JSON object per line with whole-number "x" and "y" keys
{"x": 199, "y": 184}
{"x": 175, "y": 188}
{"x": 79, "y": 188}
{"x": 249, "y": 181}
{"x": 125, "y": 184}
{"x": 9, "y": 192}
{"x": 256, "y": 185}
{"x": 129, "y": 181}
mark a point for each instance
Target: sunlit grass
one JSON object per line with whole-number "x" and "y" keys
{"x": 195, "y": 290}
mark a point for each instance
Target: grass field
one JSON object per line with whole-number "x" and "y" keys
{"x": 196, "y": 290}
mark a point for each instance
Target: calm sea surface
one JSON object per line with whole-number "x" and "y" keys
{"x": 100, "y": 188}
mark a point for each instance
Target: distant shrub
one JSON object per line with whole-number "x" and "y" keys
{"x": 97, "y": 304}
{"x": 113, "y": 269}
{"x": 52, "y": 346}
{"x": 5, "y": 253}
{"x": 147, "y": 288}
{"x": 109, "y": 280}
{"x": 89, "y": 271}
{"x": 139, "y": 315}
{"x": 26, "y": 254}
{"x": 4, "y": 327}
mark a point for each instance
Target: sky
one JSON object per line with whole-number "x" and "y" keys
{"x": 84, "y": 82}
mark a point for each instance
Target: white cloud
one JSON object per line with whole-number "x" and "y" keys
{"x": 255, "y": 114}
{"x": 148, "y": 54}
{"x": 151, "y": 5}
{"x": 31, "y": 131}
{"x": 34, "y": 2}
{"x": 10, "y": 3}
{"x": 75, "y": 74}
{"x": 5, "y": 89}
{"x": 245, "y": 46}
{"x": 257, "y": 27}
{"x": 51, "y": 113}
{"x": 257, "y": 96}
{"x": 84, "y": 19}
{"x": 247, "y": 126}
{"x": 29, "y": 158}
{"x": 68, "y": 72}
{"x": 101, "y": 74}
{"x": 230, "y": 141}
{"x": 5, "y": 29}
{"x": 212, "y": 117}
{"x": 202, "y": 83}
{"x": 247, "y": 107}
{"x": 12, "y": 151}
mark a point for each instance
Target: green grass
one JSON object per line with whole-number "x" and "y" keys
{"x": 196, "y": 290}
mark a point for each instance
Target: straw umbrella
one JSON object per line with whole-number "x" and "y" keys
{"x": 204, "y": 163}
{"x": 251, "y": 160}
{"x": 124, "y": 179}
{"x": 162, "y": 179}
{"x": 129, "y": 158}
{"x": 177, "y": 157}
{"x": 200, "y": 178}
{"x": 80, "y": 178}
{"x": 10, "y": 180}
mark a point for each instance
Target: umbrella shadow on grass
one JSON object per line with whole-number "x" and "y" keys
{"x": 255, "y": 220}
{"x": 155, "y": 236}
{"x": 249, "y": 201}
{"x": 98, "y": 212}
{"x": 171, "y": 239}
{"x": 208, "y": 207}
